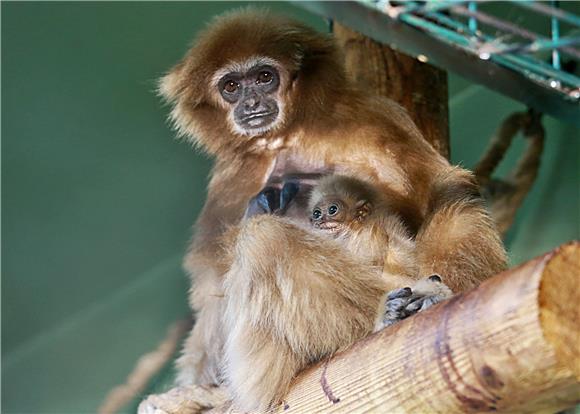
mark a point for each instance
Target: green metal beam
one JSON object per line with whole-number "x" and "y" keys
{"x": 509, "y": 74}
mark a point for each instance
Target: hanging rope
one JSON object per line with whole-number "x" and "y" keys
{"x": 147, "y": 367}
{"x": 505, "y": 195}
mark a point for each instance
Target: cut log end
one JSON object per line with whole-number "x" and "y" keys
{"x": 559, "y": 303}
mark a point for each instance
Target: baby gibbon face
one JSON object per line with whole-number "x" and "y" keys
{"x": 339, "y": 203}
{"x": 250, "y": 92}
{"x": 330, "y": 216}
{"x": 334, "y": 215}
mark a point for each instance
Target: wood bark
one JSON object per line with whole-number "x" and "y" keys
{"x": 419, "y": 87}
{"x": 508, "y": 346}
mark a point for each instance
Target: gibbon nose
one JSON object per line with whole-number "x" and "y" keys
{"x": 251, "y": 103}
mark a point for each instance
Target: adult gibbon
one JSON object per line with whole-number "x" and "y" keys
{"x": 269, "y": 99}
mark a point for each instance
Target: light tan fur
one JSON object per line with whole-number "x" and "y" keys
{"x": 274, "y": 307}
{"x": 269, "y": 296}
{"x": 379, "y": 237}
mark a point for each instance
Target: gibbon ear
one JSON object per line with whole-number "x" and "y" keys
{"x": 172, "y": 86}
{"x": 183, "y": 83}
{"x": 362, "y": 209}
{"x": 169, "y": 86}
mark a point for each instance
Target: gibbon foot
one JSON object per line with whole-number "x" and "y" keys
{"x": 404, "y": 302}
{"x": 194, "y": 399}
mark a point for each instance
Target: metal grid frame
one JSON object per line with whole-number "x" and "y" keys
{"x": 458, "y": 36}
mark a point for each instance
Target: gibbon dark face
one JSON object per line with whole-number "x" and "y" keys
{"x": 253, "y": 97}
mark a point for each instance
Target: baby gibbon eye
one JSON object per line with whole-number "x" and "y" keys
{"x": 231, "y": 86}
{"x": 332, "y": 209}
{"x": 316, "y": 214}
{"x": 264, "y": 77}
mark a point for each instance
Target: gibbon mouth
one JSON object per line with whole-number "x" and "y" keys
{"x": 329, "y": 226}
{"x": 259, "y": 119}
{"x": 257, "y": 115}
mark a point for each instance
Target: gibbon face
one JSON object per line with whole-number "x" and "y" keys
{"x": 330, "y": 216}
{"x": 251, "y": 93}
{"x": 339, "y": 203}
{"x": 335, "y": 215}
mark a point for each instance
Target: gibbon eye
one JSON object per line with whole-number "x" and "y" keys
{"x": 316, "y": 214}
{"x": 264, "y": 77}
{"x": 231, "y": 86}
{"x": 332, "y": 210}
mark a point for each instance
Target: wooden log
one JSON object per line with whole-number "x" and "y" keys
{"x": 509, "y": 346}
{"x": 419, "y": 87}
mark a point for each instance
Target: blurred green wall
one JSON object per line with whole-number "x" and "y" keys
{"x": 98, "y": 198}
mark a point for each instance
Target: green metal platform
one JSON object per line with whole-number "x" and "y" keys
{"x": 486, "y": 42}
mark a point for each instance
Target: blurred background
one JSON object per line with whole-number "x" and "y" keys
{"x": 98, "y": 198}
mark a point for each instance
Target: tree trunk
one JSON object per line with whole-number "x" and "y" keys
{"x": 419, "y": 87}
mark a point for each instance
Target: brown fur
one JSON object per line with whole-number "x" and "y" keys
{"x": 270, "y": 297}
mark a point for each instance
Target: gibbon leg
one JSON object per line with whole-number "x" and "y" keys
{"x": 292, "y": 297}
{"x": 459, "y": 240}
{"x": 198, "y": 363}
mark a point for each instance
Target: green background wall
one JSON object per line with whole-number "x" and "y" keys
{"x": 98, "y": 198}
